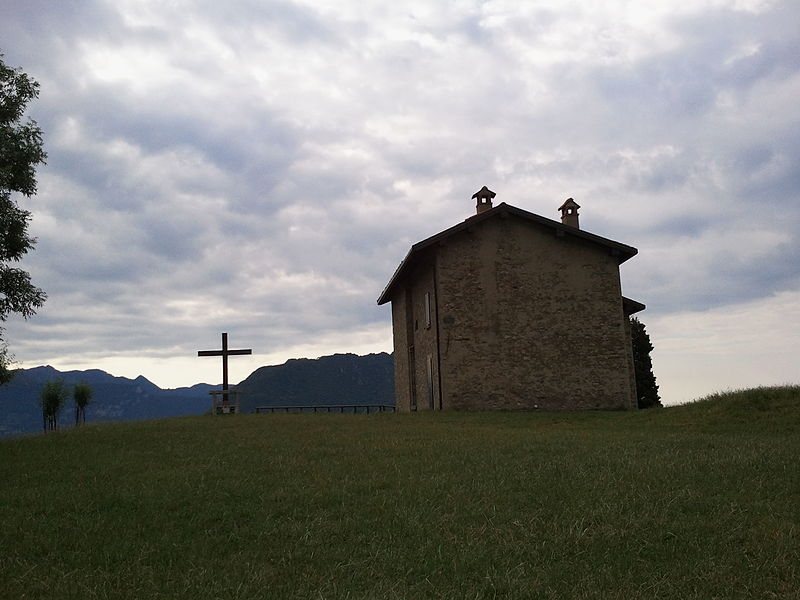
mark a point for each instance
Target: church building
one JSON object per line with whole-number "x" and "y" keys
{"x": 509, "y": 310}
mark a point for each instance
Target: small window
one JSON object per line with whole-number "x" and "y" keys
{"x": 427, "y": 310}
{"x": 429, "y": 374}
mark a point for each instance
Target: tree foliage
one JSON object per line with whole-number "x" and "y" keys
{"x": 646, "y": 388}
{"x": 6, "y": 372}
{"x": 82, "y": 394}
{"x": 20, "y": 152}
{"x": 52, "y": 398}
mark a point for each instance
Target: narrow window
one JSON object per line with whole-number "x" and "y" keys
{"x": 412, "y": 378}
{"x": 427, "y": 310}
{"x": 430, "y": 381}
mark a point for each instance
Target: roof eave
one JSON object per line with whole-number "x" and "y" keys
{"x": 384, "y": 297}
{"x": 631, "y": 306}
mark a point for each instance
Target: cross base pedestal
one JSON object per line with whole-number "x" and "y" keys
{"x": 225, "y": 402}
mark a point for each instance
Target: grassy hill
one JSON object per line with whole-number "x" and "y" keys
{"x": 697, "y": 501}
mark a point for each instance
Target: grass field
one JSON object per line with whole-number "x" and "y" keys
{"x": 697, "y": 501}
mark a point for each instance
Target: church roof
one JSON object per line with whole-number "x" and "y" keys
{"x": 621, "y": 251}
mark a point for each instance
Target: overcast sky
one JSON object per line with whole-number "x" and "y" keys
{"x": 262, "y": 167}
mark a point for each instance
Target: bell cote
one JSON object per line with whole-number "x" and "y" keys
{"x": 569, "y": 213}
{"x": 484, "y": 198}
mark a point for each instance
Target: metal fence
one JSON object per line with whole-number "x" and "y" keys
{"x": 339, "y": 408}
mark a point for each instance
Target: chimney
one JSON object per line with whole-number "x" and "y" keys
{"x": 569, "y": 213}
{"x": 484, "y": 197}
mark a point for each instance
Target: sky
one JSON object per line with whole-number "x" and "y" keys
{"x": 261, "y": 167}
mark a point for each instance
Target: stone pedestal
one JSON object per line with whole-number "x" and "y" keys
{"x": 224, "y": 402}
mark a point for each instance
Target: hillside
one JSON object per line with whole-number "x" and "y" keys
{"x": 777, "y": 406}
{"x": 692, "y": 502}
{"x": 340, "y": 379}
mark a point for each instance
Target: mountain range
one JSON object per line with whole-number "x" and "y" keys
{"x": 340, "y": 379}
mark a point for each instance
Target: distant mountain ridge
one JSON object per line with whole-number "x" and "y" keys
{"x": 113, "y": 399}
{"x": 339, "y": 379}
{"x": 331, "y": 380}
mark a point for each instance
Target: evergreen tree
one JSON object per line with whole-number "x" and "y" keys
{"x": 646, "y": 388}
{"x": 20, "y": 152}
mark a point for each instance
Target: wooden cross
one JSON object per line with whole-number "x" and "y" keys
{"x": 224, "y": 353}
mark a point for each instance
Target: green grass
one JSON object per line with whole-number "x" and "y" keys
{"x": 697, "y": 501}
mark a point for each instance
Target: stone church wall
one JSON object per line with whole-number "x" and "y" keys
{"x": 402, "y": 396}
{"x": 530, "y": 320}
{"x": 415, "y": 341}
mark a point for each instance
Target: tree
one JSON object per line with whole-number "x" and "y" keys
{"x": 646, "y": 388}
{"x": 20, "y": 152}
{"x": 6, "y": 372}
{"x": 82, "y": 393}
{"x": 52, "y": 398}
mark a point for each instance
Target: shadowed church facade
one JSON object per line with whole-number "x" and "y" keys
{"x": 510, "y": 310}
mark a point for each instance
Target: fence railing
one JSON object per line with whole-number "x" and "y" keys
{"x": 340, "y": 408}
